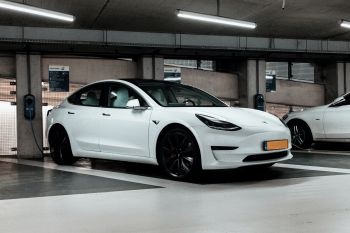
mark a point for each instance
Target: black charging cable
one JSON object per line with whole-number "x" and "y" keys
{"x": 35, "y": 138}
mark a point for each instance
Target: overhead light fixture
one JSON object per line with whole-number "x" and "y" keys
{"x": 35, "y": 11}
{"x": 345, "y": 24}
{"x": 215, "y": 19}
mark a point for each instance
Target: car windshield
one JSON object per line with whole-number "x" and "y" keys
{"x": 177, "y": 95}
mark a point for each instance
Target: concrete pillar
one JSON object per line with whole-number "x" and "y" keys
{"x": 347, "y": 78}
{"x": 252, "y": 81}
{"x": 262, "y": 77}
{"x": 341, "y": 78}
{"x": 150, "y": 67}
{"x": 336, "y": 77}
{"x": 26, "y": 146}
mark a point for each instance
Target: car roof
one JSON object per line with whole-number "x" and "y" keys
{"x": 148, "y": 81}
{"x": 136, "y": 82}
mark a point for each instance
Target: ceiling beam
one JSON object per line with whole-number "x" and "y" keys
{"x": 38, "y": 35}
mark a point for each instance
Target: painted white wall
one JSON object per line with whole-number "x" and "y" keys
{"x": 8, "y": 133}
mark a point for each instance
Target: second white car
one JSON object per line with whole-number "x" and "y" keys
{"x": 330, "y": 123}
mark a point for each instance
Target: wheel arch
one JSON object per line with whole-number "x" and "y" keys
{"x": 302, "y": 121}
{"x": 52, "y": 128}
{"x": 178, "y": 125}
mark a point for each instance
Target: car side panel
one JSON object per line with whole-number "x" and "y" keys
{"x": 337, "y": 122}
{"x": 125, "y": 131}
{"x": 77, "y": 123}
{"x": 314, "y": 119}
{"x": 82, "y": 124}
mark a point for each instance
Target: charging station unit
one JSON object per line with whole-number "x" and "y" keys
{"x": 29, "y": 107}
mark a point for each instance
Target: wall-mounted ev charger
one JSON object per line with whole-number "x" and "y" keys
{"x": 29, "y": 107}
{"x": 29, "y": 114}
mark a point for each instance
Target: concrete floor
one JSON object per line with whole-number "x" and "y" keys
{"x": 308, "y": 194}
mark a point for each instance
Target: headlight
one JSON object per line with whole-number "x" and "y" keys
{"x": 214, "y": 123}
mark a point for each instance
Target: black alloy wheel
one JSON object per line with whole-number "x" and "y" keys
{"x": 178, "y": 154}
{"x": 301, "y": 135}
{"x": 60, "y": 148}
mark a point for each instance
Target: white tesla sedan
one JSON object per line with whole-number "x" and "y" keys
{"x": 178, "y": 127}
{"x": 325, "y": 123}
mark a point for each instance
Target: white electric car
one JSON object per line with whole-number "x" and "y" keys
{"x": 325, "y": 123}
{"x": 178, "y": 127}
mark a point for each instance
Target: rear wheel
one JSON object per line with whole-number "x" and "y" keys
{"x": 60, "y": 148}
{"x": 178, "y": 154}
{"x": 301, "y": 135}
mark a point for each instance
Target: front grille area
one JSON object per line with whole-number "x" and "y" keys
{"x": 262, "y": 157}
{"x": 224, "y": 147}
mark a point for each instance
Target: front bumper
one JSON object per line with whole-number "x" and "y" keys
{"x": 232, "y": 149}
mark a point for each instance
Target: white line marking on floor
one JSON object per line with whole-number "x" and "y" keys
{"x": 313, "y": 168}
{"x": 150, "y": 180}
{"x": 324, "y": 152}
{"x": 101, "y": 173}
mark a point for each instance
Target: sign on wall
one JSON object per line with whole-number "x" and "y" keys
{"x": 58, "y": 78}
{"x": 172, "y": 74}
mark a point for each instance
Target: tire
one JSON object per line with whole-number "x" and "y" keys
{"x": 60, "y": 148}
{"x": 301, "y": 135}
{"x": 178, "y": 154}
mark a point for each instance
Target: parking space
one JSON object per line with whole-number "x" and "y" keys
{"x": 25, "y": 181}
{"x": 138, "y": 198}
{"x": 321, "y": 159}
{"x": 89, "y": 175}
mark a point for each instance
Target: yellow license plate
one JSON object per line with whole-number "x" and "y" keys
{"x": 276, "y": 145}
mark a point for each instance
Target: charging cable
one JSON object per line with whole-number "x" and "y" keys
{"x": 35, "y": 138}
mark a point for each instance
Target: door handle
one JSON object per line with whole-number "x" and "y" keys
{"x": 71, "y": 113}
{"x": 106, "y": 114}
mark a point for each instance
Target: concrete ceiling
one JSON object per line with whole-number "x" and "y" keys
{"x": 316, "y": 19}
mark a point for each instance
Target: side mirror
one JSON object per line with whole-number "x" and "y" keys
{"x": 135, "y": 104}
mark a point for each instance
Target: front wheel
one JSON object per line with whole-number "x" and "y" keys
{"x": 60, "y": 148}
{"x": 178, "y": 154}
{"x": 301, "y": 135}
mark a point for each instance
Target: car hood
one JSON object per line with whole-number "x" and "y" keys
{"x": 307, "y": 111}
{"x": 243, "y": 117}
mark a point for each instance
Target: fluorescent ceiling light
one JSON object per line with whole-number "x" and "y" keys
{"x": 345, "y": 24}
{"x": 215, "y": 19}
{"x": 35, "y": 11}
